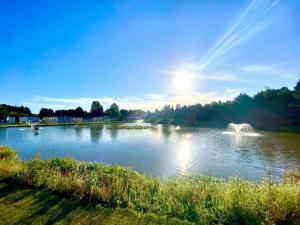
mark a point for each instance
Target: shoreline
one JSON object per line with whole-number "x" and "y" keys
{"x": 115, "y": 125}
{"x": 197, "y": 199}
{"x": 292, "y": 130}
{"x": 60, "y": 124}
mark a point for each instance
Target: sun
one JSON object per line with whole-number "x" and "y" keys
{"x": 182, "y": 80}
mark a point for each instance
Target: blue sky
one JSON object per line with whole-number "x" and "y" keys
{"x": 144, "y": 54}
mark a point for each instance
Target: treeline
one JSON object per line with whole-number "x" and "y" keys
{"x": 8, "y": 110}
{"x": 271, "y": 109}
{"x": 96, "y": 111}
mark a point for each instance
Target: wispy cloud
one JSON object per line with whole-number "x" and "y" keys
{"x": 248, "y": 23}
{"x": 218, "y": 76}
{"x": 255, "y": 17}
{"x": 154, "y": 96}
{"x": 268, "y": 71}
{"x": 60, "y": 100}
{"x": 234, "y": 91}
{"x": 213, "y": 76}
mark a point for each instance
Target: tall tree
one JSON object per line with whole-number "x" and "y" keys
{"x": 113, "y": 111}
{"x": 124, "y": 114}
{"x": 44, "y": 112}
{"x": 297, "y": 87}
{"x": 96, "y": 109}
{"x": 79, "y": 112}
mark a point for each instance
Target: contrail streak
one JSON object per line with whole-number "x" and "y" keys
{"x": 248, "y": 23}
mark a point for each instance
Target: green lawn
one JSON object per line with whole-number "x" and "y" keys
{"x": 26, "y": 206}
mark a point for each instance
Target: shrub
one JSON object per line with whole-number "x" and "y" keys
{"x": 7, "y": 153}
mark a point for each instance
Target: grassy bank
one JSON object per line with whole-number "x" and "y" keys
{"x": 19, "y": 205}
{"x": 60, "y": 124}
{"x": 201, "y": 200}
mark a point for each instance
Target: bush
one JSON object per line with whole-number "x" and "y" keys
{"x": 7, "y": 153}
{"x": 9, "y": 164}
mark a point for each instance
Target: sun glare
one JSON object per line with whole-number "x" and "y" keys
{"x": 182, "y": 81}
{"x": 183, "y": 156}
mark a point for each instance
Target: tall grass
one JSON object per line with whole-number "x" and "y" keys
{"x": 202, "y": 200}
{"x": 7, "y": 153}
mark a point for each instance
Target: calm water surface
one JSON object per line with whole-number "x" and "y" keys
{"x": 165, "y": 151}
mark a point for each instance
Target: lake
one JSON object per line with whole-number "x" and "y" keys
{"x": 164, "y": 151}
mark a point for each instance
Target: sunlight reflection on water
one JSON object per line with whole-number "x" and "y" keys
{"x": 165, "y": 151}
{"x": 253, "y": 134}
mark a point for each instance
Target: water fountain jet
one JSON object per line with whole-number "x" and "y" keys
{"x": 241, "y": 127}
{"x": 244, "y": 129}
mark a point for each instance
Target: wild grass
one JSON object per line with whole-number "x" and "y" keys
{"x": 7, "y": 153}
{"x": 202, "y": 200}
{"x": 19, "y": 205}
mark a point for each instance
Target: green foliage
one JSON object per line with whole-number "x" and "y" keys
{"x": 124, "y": 114}
{"x": 45, "y": 112}
{"x": 26, "y": 206}
{"x": 197, "y": 199}
{"x": 96, "y": 109}
{"x": 10, "y": 166}
{"x": 7, "y": 153}
{"x": 78, "y": 112}
{"x": 271, "y": 109}
{"x": 297, "y": 87}
{"x": 8, "y": 110}
{"x": 113, "y": 111}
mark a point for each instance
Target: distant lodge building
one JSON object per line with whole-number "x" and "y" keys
{"x": 77, "y": 119}
{"x": 58, "y": 119}
{"x": 63, "y": 119}
{"x": 29, "y": 119}
{"x": 49, "y": 119}
{"x": 19, "y": 119}
{"x": 10, "y": 119}
{"x": 97, "y": 119}
{"x": 7, "y": 120}
{"x": 54, "y": 119}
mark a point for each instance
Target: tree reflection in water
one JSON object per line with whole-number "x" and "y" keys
{"x": 96, "y": 133}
